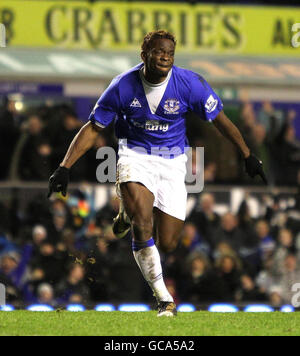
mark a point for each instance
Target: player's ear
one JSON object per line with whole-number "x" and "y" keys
{"x": 143, "y": 56}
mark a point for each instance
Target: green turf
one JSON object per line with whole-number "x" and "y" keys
{"x": 147, "y": 323}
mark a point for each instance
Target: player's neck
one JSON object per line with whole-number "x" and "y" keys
{"x": 153, "y": 78}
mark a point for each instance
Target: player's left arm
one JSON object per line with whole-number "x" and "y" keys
{"x": 228, "y": 129}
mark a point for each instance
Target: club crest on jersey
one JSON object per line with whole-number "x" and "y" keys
{"x": 171, "y": 106}
{"x": 135, "y": 103}
{"x": 211, "y": 104}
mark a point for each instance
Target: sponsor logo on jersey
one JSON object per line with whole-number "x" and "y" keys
{"x": 211, "y": 104}
{"x": 136, "y": 103}
{"x": 151, "y": 125}
{"x": 171, "y": 106}
{"x": 155, "y": 125}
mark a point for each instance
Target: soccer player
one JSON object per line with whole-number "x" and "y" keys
{"x": 148, "y": 104}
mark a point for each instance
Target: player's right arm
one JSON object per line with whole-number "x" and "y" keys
{"x": 104, "y": 112}
{"x": 82, "y": 142}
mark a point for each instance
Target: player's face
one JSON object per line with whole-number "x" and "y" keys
{"x": 160, "y": 58}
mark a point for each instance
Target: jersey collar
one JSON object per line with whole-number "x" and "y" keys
{"x": 141, "y": 72}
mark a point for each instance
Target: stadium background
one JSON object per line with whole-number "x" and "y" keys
{"x": 241, "y": 241}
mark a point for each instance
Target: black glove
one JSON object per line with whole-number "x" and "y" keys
{"x": 254, "y": 167}
{"x": 59, "y": 180}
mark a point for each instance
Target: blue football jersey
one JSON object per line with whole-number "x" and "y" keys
{"x": 125, "y": 102}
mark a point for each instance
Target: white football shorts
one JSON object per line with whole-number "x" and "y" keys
{"x": 164, "y": 177}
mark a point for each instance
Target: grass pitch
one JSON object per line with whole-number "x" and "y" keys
{"x": 66, "y": 323}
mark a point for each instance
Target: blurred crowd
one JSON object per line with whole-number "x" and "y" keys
{"x": 270, "y": 134}
{"x": 234, "y": 257}
{"x": 33, "y": 143}
{"x": 63, "y": 251}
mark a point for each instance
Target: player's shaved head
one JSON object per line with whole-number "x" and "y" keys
{"x": 150, "y": 38}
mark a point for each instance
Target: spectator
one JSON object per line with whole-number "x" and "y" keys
{"x": 261, "y": 147}
{"x": 8, "y": 267}
{"x": 265, "y": 278}
{"x": 204, "y": 216}
{"x": 271, "y": 119}
{"x": 59, "y": 220}
{"x": 248, "y": 291}
{"x": 45, "y": 294}
{"x": 286, "y": 149}
{"x": 290, "y": 275}
{"x": 228, "y": 269}
{"x": 73, "y": 289}
{"x": 275, "y": 215}
{"x": 191, "y": 240}
{"x": 9, "y": 263}
{"x": 8, "y": 135}
{"x": 267, "y": 243}
{"x": 39, "y": 235}
{"x": 284, "y": 248}
{"x": 62, "y": 135}
{"x": 245, "y": 224}
{"x": 99, "y": 267}
{"x": 48, "y": 263}
{"x": 210, "y": 172}
{"x": 248, "y": 122}
{"x": 6, "y": 245}
{"x": 34, "y": 151}
{"x": 200, "y": 283}
{"x": 228, "y": 232}
{"x": 275, "y": 296}
{"x": 68, "y": 245}
{"x": 38, "y": 211}
{"x": 223, "y": 248}
{"x": 293, "y": 213}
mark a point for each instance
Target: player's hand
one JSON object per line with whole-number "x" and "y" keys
{"x": 254, "y": 167}
{"x": 58, "y": 182}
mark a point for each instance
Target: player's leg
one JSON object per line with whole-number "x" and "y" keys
{"x": 169, "y": 211}
{"x": 138, "y": 202}
{"x": 168, "y": 230}
{"x": 130, "y": 170}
